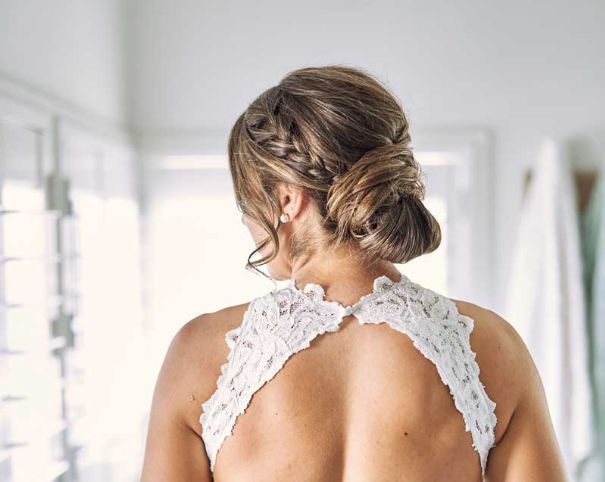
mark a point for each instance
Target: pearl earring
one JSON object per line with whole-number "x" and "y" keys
{"x": 284, "y": 218}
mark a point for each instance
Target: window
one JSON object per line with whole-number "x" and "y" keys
{"x": 197, "y": 246}
{"x": 33, "y": 424}
{"x": 74, "y": 383}
{"x": 107, "y": 379}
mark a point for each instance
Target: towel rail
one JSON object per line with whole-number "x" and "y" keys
{"x": 585, "y": 179}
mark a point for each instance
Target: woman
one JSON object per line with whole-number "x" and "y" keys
{"x": 352, "y": 371}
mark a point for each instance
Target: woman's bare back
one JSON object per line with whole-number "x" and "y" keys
{"x": 363, "y": 403}
{"x": 359, "y": 404}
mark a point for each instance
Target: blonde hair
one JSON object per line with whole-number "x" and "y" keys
{"x": 338, "y": 134}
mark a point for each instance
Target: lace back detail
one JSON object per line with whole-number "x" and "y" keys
{"x": 285, "y": 321}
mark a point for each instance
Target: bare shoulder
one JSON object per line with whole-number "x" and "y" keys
{"x": 503, "y": 360}
{"x": 185, "y": 379}
{"x": 196, "y": 352}
{"x": 526, "y": 444}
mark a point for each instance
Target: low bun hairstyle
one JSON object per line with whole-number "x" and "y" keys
{"x": 338, "y": 134}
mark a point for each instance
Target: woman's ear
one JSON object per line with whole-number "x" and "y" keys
{"x": 291, "y": 199}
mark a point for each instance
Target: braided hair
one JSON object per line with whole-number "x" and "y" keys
{"x": 340, "y": 136}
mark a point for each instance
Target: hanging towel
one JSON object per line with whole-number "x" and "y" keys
{"x": 593, "y": 250}
{"x": 546, "y": 301}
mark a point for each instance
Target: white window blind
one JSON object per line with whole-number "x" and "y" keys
{"x": 73, "y": 380}
{"x": 33, "y": 423}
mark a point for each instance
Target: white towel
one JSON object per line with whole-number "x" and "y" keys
{"x": 546, "y": 300}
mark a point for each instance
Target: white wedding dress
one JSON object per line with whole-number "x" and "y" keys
{"x": 284, "y": 321}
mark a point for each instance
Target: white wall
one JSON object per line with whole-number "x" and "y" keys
{"x": 185, "y": 68}
{"x": 524, "y": 69}
{"x": 71, "y": 51}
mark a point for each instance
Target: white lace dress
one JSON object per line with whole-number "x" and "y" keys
{"x": 285, "y": 321}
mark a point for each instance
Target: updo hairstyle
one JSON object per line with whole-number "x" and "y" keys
{"x": 338, "y": 134}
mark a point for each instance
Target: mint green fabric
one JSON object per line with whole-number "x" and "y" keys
{"x": 593, "y": 254}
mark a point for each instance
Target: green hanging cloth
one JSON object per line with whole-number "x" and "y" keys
{"x": 593, "y": 254}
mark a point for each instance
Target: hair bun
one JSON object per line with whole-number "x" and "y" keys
{"x": 378, "y": 203}
{"x": 338, "y": 134}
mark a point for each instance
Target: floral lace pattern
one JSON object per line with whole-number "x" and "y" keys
{"x": 285, "y": 321}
